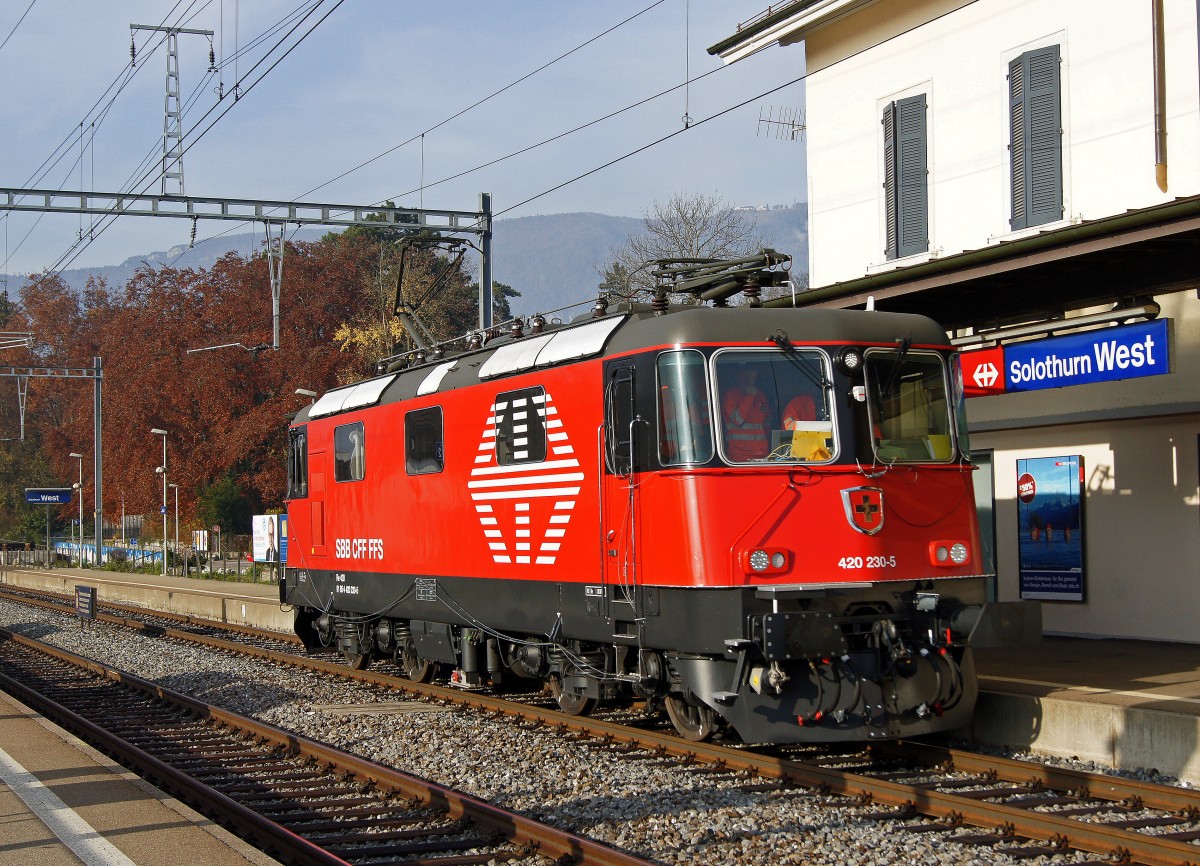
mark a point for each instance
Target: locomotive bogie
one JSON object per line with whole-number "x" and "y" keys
{"x": 772, "y": 534}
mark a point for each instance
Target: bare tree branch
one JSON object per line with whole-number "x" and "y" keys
{"x": 685, "y": 226}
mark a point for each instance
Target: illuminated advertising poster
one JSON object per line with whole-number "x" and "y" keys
{"x": 266, "y": 537}
{"x": 1050, "y": 518}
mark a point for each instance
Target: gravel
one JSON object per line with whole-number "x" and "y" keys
{"x": 643, "y": 804}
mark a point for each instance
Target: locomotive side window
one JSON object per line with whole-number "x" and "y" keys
{"x": 297, "y": 463}
{"x": 349, "y": 452}
{"x": 684, "y": 420}
{"x": 423, "y": 441}
{"x": 774, "y": 405}
{"x": 521, "y": 426}
{"x": 909, "y": 406}
{"x": 620, "y": 413}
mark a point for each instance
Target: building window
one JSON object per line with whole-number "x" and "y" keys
{"x": 349, "y": 452}
{"x": 521, "y": 426}
{"x": 1035, "y": 137}
{"x": 423, "y": 441}
{"x": 906, "y": 177}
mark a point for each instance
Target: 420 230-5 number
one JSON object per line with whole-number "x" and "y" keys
{"x": 858, "y": 562}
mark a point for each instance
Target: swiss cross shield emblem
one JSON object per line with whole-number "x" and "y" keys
{"x": 864, "y": 508}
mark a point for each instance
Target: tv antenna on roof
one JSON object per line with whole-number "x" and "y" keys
{"x": 786, "y": 122}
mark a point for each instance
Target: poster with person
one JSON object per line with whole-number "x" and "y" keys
{"x": 266, "y": 535}
{"x": 1050, "y": 522}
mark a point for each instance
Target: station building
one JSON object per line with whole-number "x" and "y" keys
{"x": 1027, "y": 172}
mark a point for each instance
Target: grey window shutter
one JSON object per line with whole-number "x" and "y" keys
{"x": 906, "y": 177}
{"x": 889, "y": 178}
{"x": 1035, "y": 137}
{"x": 912, "y": 176}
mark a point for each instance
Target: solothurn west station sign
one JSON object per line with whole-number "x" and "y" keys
{"x": 1106, "y": 355}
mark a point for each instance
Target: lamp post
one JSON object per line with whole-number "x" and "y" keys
{"x": 163, "y": 471}
{"x": 79, "y": 457}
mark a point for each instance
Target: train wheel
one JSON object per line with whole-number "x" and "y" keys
{"x": 571, "y": 702}
{"x": 693, "y": 722}
{"x": 415, "y": 668}
{"x": 357, "y": 661}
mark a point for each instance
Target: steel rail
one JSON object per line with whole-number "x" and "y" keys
{"x": 1097, "y": 785}
{"x": 1122, "y": 845}
{"x": 242, "y": 820}
{"x": 546, "y": 840}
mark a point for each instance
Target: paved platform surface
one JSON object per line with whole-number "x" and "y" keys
{"x": 1122, "y": 703}
{"x": 62, "y": 803}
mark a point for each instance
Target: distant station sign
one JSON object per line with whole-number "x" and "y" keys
{"x": 85, "y": 601}
{"x": 1106, "y": 355}
{"x": 48, "y": 495}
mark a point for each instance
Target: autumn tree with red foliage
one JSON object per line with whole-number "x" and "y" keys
{"x": 225, "y": 409}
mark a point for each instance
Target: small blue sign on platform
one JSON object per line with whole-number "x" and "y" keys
{"x": 85, "y": 601}
{"x": 48, "y": 495}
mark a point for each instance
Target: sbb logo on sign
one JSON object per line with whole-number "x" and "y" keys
{"x": 982, "y": 372}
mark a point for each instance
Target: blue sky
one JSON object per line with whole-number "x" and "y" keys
{"x": 377, "y": 73}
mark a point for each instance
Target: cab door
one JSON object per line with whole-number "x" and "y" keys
{"x": 620, "y": 515}
{"x": 316, "y": 502}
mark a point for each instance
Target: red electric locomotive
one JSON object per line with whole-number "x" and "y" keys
{"x": 747, "y": 516}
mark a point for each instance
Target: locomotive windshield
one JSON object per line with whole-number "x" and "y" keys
{"x": 684, "y": 423}
{"x": 908, "y": 406}
{"x": 774, "y": 405}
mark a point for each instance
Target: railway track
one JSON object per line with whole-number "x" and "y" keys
{"x": 298, "y": 800}
{"x": 1017, "y": 808}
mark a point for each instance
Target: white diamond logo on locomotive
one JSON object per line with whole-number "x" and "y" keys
{"x": 524, "y": 507}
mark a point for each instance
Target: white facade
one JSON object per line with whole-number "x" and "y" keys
{"x": 1139, "y": 439}
{"x": 960, "y": 61}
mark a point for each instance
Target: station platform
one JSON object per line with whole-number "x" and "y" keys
{"x": 1128, "y": 704}
{"x": 65, "y": 803}
{"x": 229, "y": 601}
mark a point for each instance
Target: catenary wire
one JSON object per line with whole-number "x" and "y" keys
{"x": 480, "y": 102}
{"x": 74, "y": 251}
{"x": 18, "y": 24}
{"x": 151, "y": 45}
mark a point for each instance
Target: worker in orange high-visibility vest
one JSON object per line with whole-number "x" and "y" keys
{"x": 744, "y": 411}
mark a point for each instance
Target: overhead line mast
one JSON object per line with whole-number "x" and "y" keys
{"x": 172, "y": 168}
{"x": 274, "y": 214}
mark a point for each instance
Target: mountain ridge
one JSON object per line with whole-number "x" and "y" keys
{"x": 553, "y": 260}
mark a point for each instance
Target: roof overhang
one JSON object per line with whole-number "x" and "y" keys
{"x": 1139, "y": 253}
{"x": 784, "y": 25}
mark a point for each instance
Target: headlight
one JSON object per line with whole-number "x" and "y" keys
{"x": 849, "y": 360}
{"x": 765, "y": 560}
{"x": 949, "y": 554}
